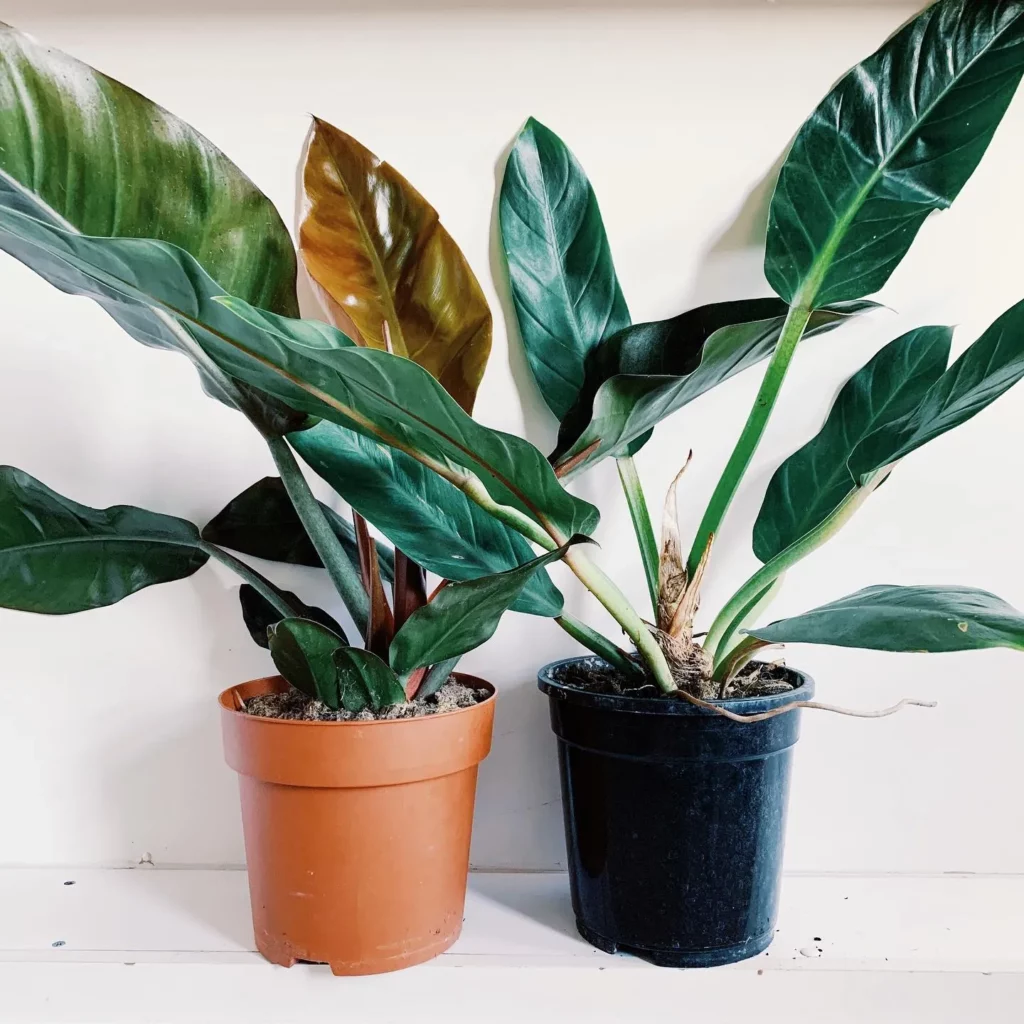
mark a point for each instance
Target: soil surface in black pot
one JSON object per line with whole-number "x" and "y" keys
{"x": 756, "y": 679}
{"x": 298, "y": 706}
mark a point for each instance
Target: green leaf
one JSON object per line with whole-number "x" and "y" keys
{"x": 308, "y": 365}
{"x": 919, "y": 619}
{"x": 667, "y": 365}
{"x": 259, "y": 614}
{"x": 58, "y": 557}
{"x": 386, "y": 398}
{"x": 422, "y": 514}
{"x": 814, "y": 480}
{"x": 463, "y": 615}
{"x": 89, "y": 155}
{"x": 262, "y": 522}
{"x": 897, "y": 138}
{"x": 377, "y": 250}
{"x": 986, "y": 370}
{"x": 669, "y": 347}
{"x": 564, "y": 288}
{"x": 303, "y": 652}
{"x": 362, "y": 676}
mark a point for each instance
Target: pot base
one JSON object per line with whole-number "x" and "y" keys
{"x": 284, "y": 955}
{"x": 714, "y": 957}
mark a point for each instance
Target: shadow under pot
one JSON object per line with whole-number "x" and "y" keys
{"x": 674, "y": 820}
{"x": 356, "y": 833}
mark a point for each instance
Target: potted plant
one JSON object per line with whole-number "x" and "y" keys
{"x": 885, "y": 149}
{"x": 674, "y": 809}
{"x": 357, "y": 781}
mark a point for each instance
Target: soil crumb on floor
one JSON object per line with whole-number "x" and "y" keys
{"x": 298, "y": 706}
{"x": 756, "y": 679}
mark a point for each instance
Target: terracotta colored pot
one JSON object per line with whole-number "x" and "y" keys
{"x": 356, "y": 833}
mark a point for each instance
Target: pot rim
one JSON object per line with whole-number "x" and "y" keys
{"x": 651, "y": 706}
{"x": 277, "y": 684}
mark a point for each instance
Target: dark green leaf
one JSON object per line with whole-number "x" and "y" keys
{"x": 986, "y": 370}
{"x": 259, "y": 614}
{"x": 363, "y": 676}
{"x": 896, "y": 138}
{"x": 384, "y": 262}
{"x": 308, "y": 365}
{"x": 303, "y": 652}
{"x": 422, "y": 514}
{"x": 57, "y": 556}
{"x": 889, "y": 618}
{"x": 463, "y": 615}
{"x": 393, "y": 400}
{"x": 814, "y": 480}
{"x": 564, "y": 287}
{"x": 262, "y": 522}
{"x": 628, "y": 405}
{"x": 87, "y": 154}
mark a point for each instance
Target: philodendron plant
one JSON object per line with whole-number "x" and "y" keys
{"x": 108, "y": 195}
{"x": 379, "y": 404}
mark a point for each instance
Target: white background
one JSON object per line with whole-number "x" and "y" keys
{"x": 109, "y": 745}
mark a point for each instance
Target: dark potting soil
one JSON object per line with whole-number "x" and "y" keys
{"x": 756, "y": 679}
{"x": 298, "y": 706}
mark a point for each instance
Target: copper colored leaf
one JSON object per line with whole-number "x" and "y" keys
{"x": 379, "y": 255}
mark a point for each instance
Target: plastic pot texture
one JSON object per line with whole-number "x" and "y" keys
{"x": 674, "y": 821}
{"x": 356, "y": 833}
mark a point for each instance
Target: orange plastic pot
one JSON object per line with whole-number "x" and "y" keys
{"x": 356, "y": 833}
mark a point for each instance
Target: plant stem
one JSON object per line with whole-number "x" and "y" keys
{"x": 725, "y": 625}
{"x": 599, "y": 644}
{"x": 618, "y": 606}
{"x": 342, "y": 572}
{"x": 435, "y": 677}
{"x": 746, "y": 445}
{"x": 258, "y": 583}
{"x": 641, "y": 517}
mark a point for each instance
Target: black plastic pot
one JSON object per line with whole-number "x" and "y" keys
{"x": 674, "y": 821}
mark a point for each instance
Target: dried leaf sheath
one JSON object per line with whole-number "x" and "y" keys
{"x": 671, "y": 567}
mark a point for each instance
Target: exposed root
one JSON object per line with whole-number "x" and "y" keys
{"x": 813, "y": 704}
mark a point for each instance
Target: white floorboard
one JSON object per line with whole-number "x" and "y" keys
{"x": 176, "y": 945}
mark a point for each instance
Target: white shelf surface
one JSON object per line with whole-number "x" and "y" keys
{"x": 151, "y": 944}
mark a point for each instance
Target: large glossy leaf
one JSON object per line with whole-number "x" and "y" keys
{"x": 259, "y": 614}
{"x": 814, "y": 480}
{"x": 57, "y": 556}
{"x": 566, "y": 294}
{"x": 421, "y": 513}
{"x": 379, "y": 254}
{"x": 919, "y": 619}
{"x": 311, "y": 366}
{"x": 986, "y": 370}
{"x": 463, "y": 615}
{"x": 88, "y": 154}
{"x": 390, "y": 399}
{"x": 897, "y": 138}
{"x": 668, "y": 370}
{"x": 262, "y": 522}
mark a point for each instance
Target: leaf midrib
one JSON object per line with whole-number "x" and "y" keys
{"x": 394, "y": 325}
{"x": 114, "y": 538}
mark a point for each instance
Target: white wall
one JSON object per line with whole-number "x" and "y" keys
{"x": 109, "y": 745}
